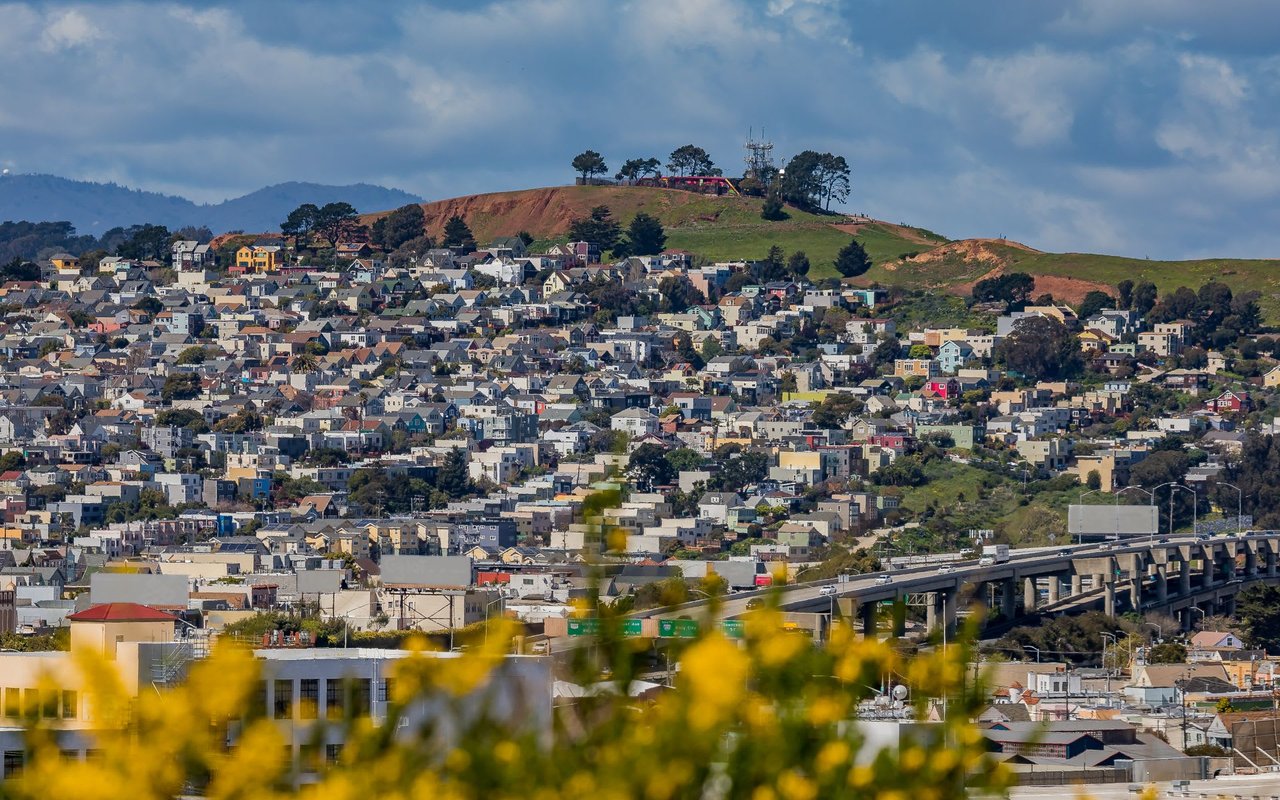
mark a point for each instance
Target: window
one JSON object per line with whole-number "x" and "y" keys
{"x": 70, "y": 706}
{"x": 284, "y": 699}
{"x": 31, "y": 703}
{"x": 260, "y": 704}
{"x": 333, "y": 699}
{"x": 361, "y": 696}
{"x": 12, "y": 763}
{"x": 388, "y": 690}
{"x": 308, "y": 697}
{"x": 332, "y": 752}
{"x": 13, "y": 702}
{"x": 49, "y": 704}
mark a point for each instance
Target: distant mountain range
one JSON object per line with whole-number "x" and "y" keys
{"x": 97, "y": 207}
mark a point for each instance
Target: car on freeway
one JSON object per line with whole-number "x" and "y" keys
{"x": 828, "y": 591}
{"x": 883, "y": 579}
{"x": 755, "y": 602}
{"x": 986, "y": 561}
{"x": 1064, "y": 552}
{"x": 946, "y": 569}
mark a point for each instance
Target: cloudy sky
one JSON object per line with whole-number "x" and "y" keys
{"x": 1142, "y": 127}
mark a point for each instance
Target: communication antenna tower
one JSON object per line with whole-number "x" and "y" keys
{"x": 759, "y": 156}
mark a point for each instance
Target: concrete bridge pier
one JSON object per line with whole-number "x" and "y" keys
{"x": 1229, "y": 564}
{"x": 1077, "y": 584}
{"x": 1250, "y": 562}
{"x": 1030, "y": 595}
{"x": 1109, "y": 596}
{"x": 867, "y": 615}
{"x": 1055, "y": 587}
{"x": 1008, "y": 598}
{"x": 1184, "y": 577}
{"x": 1271, "y": 563}
{"x": 1162, "y": 583}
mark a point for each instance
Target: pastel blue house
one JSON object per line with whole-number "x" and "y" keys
{"x": 952, "y": 356}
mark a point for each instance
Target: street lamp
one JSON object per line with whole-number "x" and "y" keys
{"x": 1083, "y": 495}
{"x": 1150, "y": 497}
{"x": 487, "y": 606}
{"x": 1239, "y": 505}
{"x": 1033, "y": 647}
{"x": 1195, "y": 503}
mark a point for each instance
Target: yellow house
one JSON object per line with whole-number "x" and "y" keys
{"x": 64, "y": 261}
{"x": 259, "y": 258}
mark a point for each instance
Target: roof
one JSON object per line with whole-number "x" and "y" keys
{"x": 121, "y": 612}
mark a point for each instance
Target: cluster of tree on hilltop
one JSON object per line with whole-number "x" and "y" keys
{"x": 810, "y": 180}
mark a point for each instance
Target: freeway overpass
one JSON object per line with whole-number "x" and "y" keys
{"x": 1181, "y": 575}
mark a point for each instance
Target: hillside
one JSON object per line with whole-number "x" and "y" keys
{"x": 725, "y": 228}
{"x": 715, "y": 227}
{"x": 97, "y": 207}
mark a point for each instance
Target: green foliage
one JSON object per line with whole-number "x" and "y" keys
{"x": 678, "y": 294}
{"x": 773, "y": 209}
{"x": 1211, "y": 750}
{"x": 1094, "y": 302}
{"x": 192, "y": 355}
{"x": 1012, "y": 288}
{"x": 400, "y": 226}
{"x": 645, "y": 235}
{"x": 649, "y": 467}
{"x": 852, "y": 260}
{"x": 598, "y": 227}
{"x": 145, "y": 242}
{"x": 683, "y": 459}
{"x": 589, "y": 163}
{"x": 1258, "y": 610}
{"x": 739, "y": 470}
{"x": 1068, "y": 638}
{"x": 636, "y": 168}
{"x": 183, "y": 418}
{"x": 691, "y": 160}
{"x": 1041, "y": 348}
{"x": 180, "y": 386}
{"x": 798, "y": 264}
{"x": 834, "y": 409}
{"x": 1168, "y": 653}
{"x": 812, "y": 180}
{"x": 458, "y": 234}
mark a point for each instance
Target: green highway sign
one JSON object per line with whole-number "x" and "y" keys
{"x": 586, "y": 626}
{"x": 732, "y": 628}
{"x": 632, "y": 627}
{"x": 677, "y": 628}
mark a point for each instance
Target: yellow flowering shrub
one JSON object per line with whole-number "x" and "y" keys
{"x": 770, "y": 717}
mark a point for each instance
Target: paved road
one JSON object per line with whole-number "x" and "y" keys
{"x": 1232, "y": 787}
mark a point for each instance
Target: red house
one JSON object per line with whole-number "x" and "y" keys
{"x": 946, "y": 389}
{"x": 1230, "y": 402}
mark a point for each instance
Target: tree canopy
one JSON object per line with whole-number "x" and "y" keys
{"x": 589, "y": 163}
{"x": 458, "y": 234}
{"x": 636, "y": 168}
{"x": 852, "y": 260}
{"x": 598, "y": 227}
{"x": 1042, "y": 348}
{"x": 812, "y": 180}
{"x": 691, "y": 160}
{"x": 645, "y": 235}
{"x": 402, "y": 225}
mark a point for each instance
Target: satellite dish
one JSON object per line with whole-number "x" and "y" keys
{"x": 900, "y": 692}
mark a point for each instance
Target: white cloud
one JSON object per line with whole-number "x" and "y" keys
{"x": 1033, "y": 91}
{"x": 69, "y": 29}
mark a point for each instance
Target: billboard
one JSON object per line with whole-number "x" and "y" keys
{"x": 1100, "y": 521}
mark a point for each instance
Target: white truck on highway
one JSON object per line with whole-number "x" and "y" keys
{"x": 998, "y": 553}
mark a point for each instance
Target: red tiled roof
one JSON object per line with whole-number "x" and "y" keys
{"x": 121, "y": 612}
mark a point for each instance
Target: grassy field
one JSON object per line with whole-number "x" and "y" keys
{"x": 1258, "y": 275}
{"x": 730, "y": 228}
